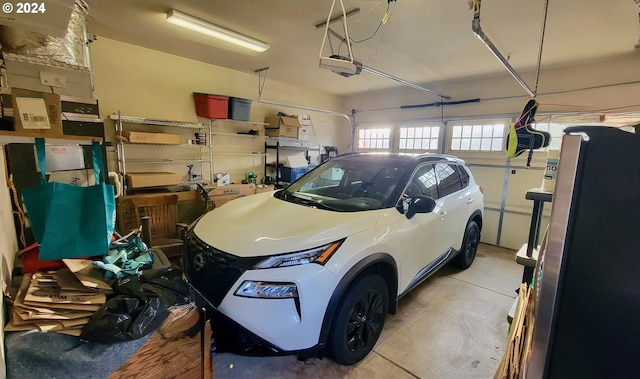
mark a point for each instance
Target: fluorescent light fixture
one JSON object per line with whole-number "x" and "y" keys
{"x": 205, "y": 27}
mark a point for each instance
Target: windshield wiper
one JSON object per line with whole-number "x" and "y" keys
{"x": 311, "y": 202}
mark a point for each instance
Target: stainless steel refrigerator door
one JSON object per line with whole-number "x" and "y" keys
{"x": 553, "y": 254}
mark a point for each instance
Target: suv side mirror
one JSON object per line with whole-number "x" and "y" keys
{"x": 420, "y": 204}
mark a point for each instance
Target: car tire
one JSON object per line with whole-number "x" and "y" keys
{"x": 467, "y": 253}
{"x": 358, "y": 320}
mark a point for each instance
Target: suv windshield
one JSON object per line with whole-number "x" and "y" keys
{"x": 348, "y": 185}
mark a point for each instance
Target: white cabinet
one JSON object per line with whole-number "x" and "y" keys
{"x": 183, "y": 151}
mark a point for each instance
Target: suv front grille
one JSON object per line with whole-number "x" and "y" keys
{"x": 211, "y": 271}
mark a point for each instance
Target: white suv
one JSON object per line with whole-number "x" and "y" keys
{"x": 314, "y": 268}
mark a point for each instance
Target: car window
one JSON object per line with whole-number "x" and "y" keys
{"x": 464, "y": 176}
{"x": 424, "y": 181}
{"x": 326, "y": 178}
{"x": 448, "y": 179}
{"x": 349, "y": 184}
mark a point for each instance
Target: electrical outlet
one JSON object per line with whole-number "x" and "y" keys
{"x": 53, "y": 80}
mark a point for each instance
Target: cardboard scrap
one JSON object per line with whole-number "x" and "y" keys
{"x": 56, "y": 301}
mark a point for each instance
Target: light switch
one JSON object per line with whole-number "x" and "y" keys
{"x": 53, "y": 80}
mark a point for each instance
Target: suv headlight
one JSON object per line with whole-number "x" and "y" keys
{"x": 250, "y": 288}
{"x": 319, "y": 255}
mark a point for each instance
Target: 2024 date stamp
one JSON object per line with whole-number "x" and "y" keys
{"x": 24, "y": 8}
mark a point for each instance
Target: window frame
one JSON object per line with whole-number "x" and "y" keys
{"x": 394, "y": 136}
{"x": 438, "y": 148}
{"x": 375, "y": 149}
{"x": 489, "y": 121}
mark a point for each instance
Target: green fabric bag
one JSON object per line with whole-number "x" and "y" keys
{"x": 69, "y": 221}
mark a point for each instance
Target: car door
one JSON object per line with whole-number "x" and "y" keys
{"x": 454, "y": 211}
{"x": 422, "y": 244}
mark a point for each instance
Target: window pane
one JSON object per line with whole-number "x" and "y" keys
{"x": 448, "y": 179}
{"x": 425, "y": 181}
{"x": 373, "y": 138}
{"x": 477, "y": 131}
{"x": 479, "y": 137}
{"x": 498, "y": 130}
{"x": 419, "y": 138}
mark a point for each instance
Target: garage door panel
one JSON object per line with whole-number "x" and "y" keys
{"x": 519, "y": 183}
{"x": 490, "y": 224}
{"x": 491, "y": 179}
{"x": 515, "y": 230}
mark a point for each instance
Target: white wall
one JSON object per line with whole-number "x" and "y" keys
{"x": 141, "y": 82}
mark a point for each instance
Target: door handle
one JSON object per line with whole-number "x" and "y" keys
{"x": 469, "y": 201}
{"x": 442, "y": 214}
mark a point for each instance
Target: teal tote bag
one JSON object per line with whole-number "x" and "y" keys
{"x": 69, "y": 221}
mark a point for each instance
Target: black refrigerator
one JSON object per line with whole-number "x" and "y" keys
{"x": 587, "y": 316}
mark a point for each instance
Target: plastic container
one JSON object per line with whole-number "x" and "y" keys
{"x": 211, "y": 106}
{"x": 239, "y": 108}
{"x": 289, "y": 174}
{"x": 551, "y": 171}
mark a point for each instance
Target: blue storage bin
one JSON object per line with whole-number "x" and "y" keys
{"x": 289, "y": 174}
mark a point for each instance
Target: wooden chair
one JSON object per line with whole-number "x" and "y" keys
{"x": 158, "y": 216}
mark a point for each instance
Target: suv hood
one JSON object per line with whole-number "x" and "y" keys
{"x": 260, "y": 224}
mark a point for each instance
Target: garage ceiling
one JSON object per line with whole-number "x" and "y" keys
{"x": 426, "y": 41}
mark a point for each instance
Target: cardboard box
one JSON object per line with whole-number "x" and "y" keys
{"x": 159, "y": 138}
{"x": 153, "y": 179}
{"x": 295, "y": 161}
{"x": 265, "y": 188}
{"x": 224, "y": 194}
{"x": 37, "y": 112}
{"x": 282, "y": 126}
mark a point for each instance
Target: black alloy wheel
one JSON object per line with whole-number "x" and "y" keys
{"x": 359, "y": 320}
{"x": 465, "y": 257}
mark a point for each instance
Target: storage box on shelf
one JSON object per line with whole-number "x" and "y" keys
{"x": 190, "y": 153}
{"x": 239, "y": 108}
{"x": 66, "y": 127}
{"x": 211, "y": 106}
{"x": 222, "y": 106}
{"x": 282, "y": 126}
{"x": 38, "y": 112}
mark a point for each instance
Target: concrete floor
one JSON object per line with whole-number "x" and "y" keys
{"x": 454, "y": 325}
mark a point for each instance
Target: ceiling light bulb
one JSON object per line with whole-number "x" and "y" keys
{"x": 205, "y": 27}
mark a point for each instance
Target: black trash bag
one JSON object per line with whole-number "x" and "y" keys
{"x": 138, "y": 307}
